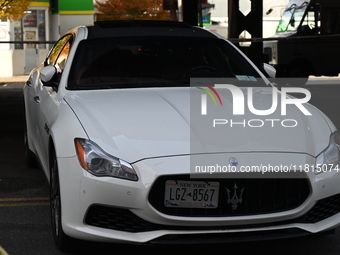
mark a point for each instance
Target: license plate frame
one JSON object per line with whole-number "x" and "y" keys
{"x": 191, "y": 194}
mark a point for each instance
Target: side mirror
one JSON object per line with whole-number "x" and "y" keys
{"x": 48, "y": 76}
{"x": 271, "y": 71}
{"x": 47, "y": 73}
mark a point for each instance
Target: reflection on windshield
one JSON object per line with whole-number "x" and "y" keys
{"x": 292, "y": 16}
{"x": 133, "y": 62}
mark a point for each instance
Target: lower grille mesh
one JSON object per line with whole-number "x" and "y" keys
{"x": 124, "y": 220}
{"x": 323, "y": 209}
{"x": 116, "y": 219}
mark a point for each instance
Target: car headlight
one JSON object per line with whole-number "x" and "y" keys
{"x": 329, "y": 159}
{"x": 93, "y": 159}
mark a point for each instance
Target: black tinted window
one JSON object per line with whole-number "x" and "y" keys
{"x": 153, "y": 61}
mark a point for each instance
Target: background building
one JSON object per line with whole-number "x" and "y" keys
{"x": 45, "y": 20}
{"x": 270, "y": 21}
{"x": 66, "y": 14}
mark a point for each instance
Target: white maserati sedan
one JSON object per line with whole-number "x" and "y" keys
{"x": 159, "y": 132}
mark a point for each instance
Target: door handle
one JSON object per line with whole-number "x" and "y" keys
{"x": 37, "y": 99}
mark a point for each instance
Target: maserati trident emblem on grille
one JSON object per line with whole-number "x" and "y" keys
{"x": 235, "y": 199}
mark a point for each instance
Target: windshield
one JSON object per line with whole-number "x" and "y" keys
{"x": 130, "y": 62}
{"x": 292, "y": 16}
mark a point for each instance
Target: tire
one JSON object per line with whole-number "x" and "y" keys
{"x": 62, "y": 241}
{"x": 293, "y": 75}
{"x": 300, "y": 72}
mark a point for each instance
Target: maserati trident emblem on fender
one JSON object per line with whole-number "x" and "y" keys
{"x": 235, "y": 199}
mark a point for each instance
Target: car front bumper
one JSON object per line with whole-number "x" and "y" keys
{"x": 107, "y": 209}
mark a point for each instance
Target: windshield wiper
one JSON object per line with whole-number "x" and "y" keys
{"x": 296, "y": 7}
{"x": 132, "y": 84}
{"x": 91, "y": 87}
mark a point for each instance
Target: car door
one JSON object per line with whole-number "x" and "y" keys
{"x": 47, "y": 101}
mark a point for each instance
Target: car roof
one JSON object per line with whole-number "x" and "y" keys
{"x": 124, "y": 28}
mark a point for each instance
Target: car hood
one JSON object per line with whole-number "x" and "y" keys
{"x": 135, "y": 124}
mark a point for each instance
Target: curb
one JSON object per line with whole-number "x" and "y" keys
{"x": 21, "y": 78}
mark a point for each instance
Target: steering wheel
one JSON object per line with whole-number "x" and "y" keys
{"x": 198, "y": 68}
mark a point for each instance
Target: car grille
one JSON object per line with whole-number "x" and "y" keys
{"x": 124, "y": 220}
{"x": 259, "y": 196}
{"x": 323, "y": 209}
{"x": 116, "y": 219}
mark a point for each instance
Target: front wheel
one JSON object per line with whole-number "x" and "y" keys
{"x": 298, "y": 75}
{"x": 294, "y": 75}
{"x": 62, "y": 241}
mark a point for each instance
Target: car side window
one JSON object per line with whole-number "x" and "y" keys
{"x": 58, "y": 57}
{"x": 61, "y": 60}
{"x": 59, "y": 53}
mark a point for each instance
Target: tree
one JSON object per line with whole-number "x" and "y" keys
{"x": 132, "y": 9}
{"x": 13, "y": 9}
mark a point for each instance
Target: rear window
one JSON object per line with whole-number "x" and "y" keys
{"x": 133, "y": 62}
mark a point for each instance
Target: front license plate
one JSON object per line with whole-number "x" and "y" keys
{"x": 191, "y": 194}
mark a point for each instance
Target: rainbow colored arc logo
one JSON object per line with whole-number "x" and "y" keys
{"x": 211, "y": 92}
